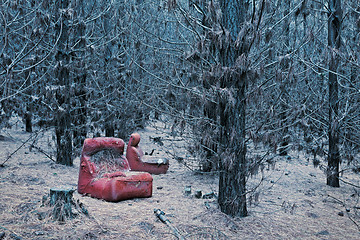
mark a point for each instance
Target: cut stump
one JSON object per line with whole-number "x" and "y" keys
{"x": 62, "y": 202}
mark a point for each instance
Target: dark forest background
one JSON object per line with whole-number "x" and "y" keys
{"x": 229, "y": 77}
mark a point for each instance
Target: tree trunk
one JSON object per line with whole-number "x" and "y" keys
{"x": 232, "y": 179}
{"x": 109, "y": 129}
{"x": 334, "y": 26}
{"x": 28, "y": 118}
{"x": 109, "y": 119}
{"x": 63, "y": 118}
{"x": 28, "y": 104}
{"x": 28, "y": 83}
{"x": 209, "y": 147}
{"x": 79, "y": 115}
{"x": 283, "y": 149}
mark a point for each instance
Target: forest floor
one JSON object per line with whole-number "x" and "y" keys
{"x": 291, "y": 201}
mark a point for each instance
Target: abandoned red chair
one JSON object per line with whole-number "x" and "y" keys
{"x": 108, "y": 177}
{"x": 140, "y": 162}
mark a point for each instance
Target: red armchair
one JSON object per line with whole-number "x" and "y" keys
{"x": 110, "y": 181}
{"x": 140, "y": 162}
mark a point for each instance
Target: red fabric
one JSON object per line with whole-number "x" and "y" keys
{"x": 139, "y": 162}
{"x": 115, "y": 186}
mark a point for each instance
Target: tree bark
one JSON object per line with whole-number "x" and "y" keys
{"x": 108, "y": 51}
{"x": 209, "y": 147}
{"x": 283, "y": 149}
{"x": 80, "y": 112}
{"x": 233, "y": 165}
{"x": 334, "y": 27}
{"x": 28, "y": 104}
{"x": 232, "y": 179}
{"x": 63, "y": 118}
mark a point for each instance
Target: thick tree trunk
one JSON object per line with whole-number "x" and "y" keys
{"x": 232, "y": 179}
{"x": 63, "y": 118}
{"x": 334, "y": 26}
{"x": 63, "y": 138}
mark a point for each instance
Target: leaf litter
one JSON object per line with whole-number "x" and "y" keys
{"x": 291, "y": 199}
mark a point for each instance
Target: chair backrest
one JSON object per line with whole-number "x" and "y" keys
{"x": 133, "y": 146}
{"x": 139, "y": 162}
{"x": 104, "y": 153}
{"x": 134, "y": 139}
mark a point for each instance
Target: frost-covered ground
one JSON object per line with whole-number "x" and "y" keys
{"x": 292, "y": 201}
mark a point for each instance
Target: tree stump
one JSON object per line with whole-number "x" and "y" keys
{"x": 62, "y": 201}
{"x": 60, "y": 205}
